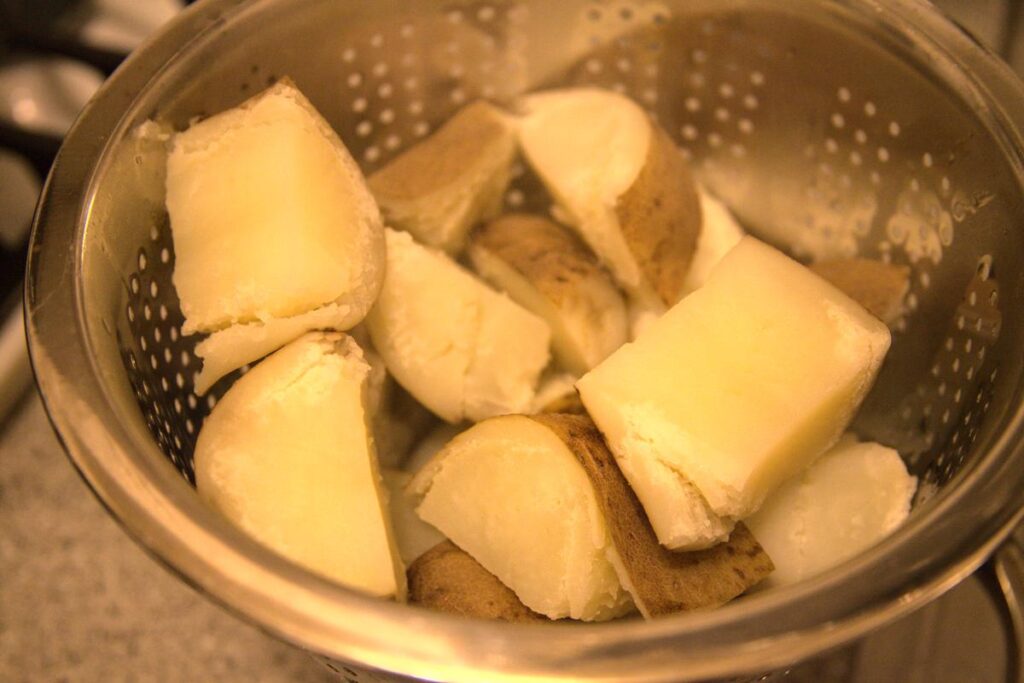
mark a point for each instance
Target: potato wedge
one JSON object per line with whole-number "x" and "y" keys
{"x": 851, "y": 498}
{"x": 463, "y": 350}
{"x": 438, "y": 189}
{"x": 765, "y": 344}
{"x": 545, "y": 269}
{"x": 448, "y": 579}
{"x": 274, "y": 229}
{"x": 412, "y": 535}
{"x": 622, "y": 183}
{"x": 287, "y": 456}
{"x": 512, "y": 495}
{"x": 879, "y": 287}
{"x": 661, "y": 581}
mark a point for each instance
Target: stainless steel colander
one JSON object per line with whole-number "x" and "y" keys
{"x": 830, "y": 128}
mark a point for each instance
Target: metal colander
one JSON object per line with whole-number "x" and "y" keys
{"x": 830, "y": 128}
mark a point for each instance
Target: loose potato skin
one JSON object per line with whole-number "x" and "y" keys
{"x": 661, "y": 581}
{"x": 879, "y": 287}
{"x": 448, "y": 579}
{"x": 660, "y": 217}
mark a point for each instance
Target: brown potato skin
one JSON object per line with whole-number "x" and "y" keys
{"x": 448, "y": 579}
{"x": 660, "y": 217}
{"x": 661, "y": 581}
{"x": 877, "y": 286}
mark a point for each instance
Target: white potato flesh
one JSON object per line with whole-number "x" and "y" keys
{"x": 463, "y": 350}
{"x": 413, "y": 535}
{"x": 430, "y": 445}
{"x": 738, "y": 387}
{"x": 287, "y": 456}
{"x": 719, "y": 233}
{"x": 270, "y": 217}
{"x": 588, "y": 146}
{"x": 510, "y": 493}
{"x": 851, "y": 498}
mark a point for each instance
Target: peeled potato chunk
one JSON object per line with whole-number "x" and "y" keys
{"x": 287, "y": 456}
{"x": 620, "y": 181}
{"x": 440, "y": 188}
{"x": 661, "y": 581}
{"x": 851, "y": 498}
{"x": 545, "y": 269}
{"x": 448, "y": 579}
{"x": 275, "y": 232}
{"x": 463, "y": 350}
{"x": 510, "y": 493}
{"x": 412, "y": 535}
{"x": 738, "y": 387}
{"x": 879, "y": 287}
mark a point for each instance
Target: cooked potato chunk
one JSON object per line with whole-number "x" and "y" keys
{"x": 274, "y": 229}
{"x": 620, "y": 181}
{"x": 851, "y": 498}
{"x": 738, "y": 387}
{"x": 879, "y": 287}
{"x": 287, "y": 456}
{"x": 441, "y": 187}
{"x": 412, "y": 535}
{"x": 545, "y": 269}
{"x": 448, "y": 579}
{"x": 462, "y": 349}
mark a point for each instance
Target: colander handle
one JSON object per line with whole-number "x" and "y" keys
{"x": 1003, "y": 576}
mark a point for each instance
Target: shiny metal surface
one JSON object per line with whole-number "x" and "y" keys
{"x": 862, "y": 127}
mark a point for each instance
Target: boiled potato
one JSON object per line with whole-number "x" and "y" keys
{"x": 620, "y": 181}
{"x": 275, "y": 232}
{"x": 448, "y": 579}
{"x": 412, "y": 535}
{"x": 287, "y": 456}
{"x": 851, "y": 498}
{"x": 879, "y": 287}
{"x": 441, "y": 187}
{"x": 545, "y": 269}
{"x": 737, "y": 388}
{"x": 462, "y": 349}
{"x": 556, "y": 393}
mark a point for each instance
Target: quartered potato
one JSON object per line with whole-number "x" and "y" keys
{"x": 287, "y": 456}
{"x": 462, "y": 349}
{"x": 438, "y": 189}
{"x": 275, "y": 232}
{"x": 740, "y": 386}
{"x": 545, "y": 269}
{"x": 620, "y": 181}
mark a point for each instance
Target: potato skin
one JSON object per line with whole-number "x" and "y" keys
{"x": 661, "y": 581}
{"x": 660, "y": 217}
{"x": 448, "y": 579}
{"x": 877, "y": 286}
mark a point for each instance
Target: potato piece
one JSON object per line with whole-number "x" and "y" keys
{"x": 286, "y": 455}
{"x": 448, "y": 579}
{"x": 738, "y": 387}
{"x": 879, "y": 287}
{"x": 512, "y": 495}
{"x": 430, "y": 445}
{"x": 661, "y": 581}
{"x": 412, "y": 535}
{"x": 621, "y": 182}
{"x": 719, "y": 233}
{"x": 460, "y": 348}
{"x": 851, "y": 498}
{"x": 557, "y": 394}
{"x": 441, "y": 187}
{"x": 274, "y": 229}
{"x": 545, "y": 269}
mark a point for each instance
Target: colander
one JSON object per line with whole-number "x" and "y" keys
{"x": 830, "y": 128}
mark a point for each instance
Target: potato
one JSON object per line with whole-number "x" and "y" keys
{"x": 545, "y": 269}
{"x": 438, "y": 189}
{"x": 460, "y": 348}
{"x": 719, "y": 233}
{"x": 512, "y": 495}
{"x": 661, "y": 581}
{"x": 287, "y": 456}
{"x": 879, "y": 287}
{"x": 275, "y": 232}
{"x": 740, "y": 386}
{"x": 412, "y": 535}
{"x": 448, "y": 579}
{"x": 620, "y": 180}
{"x": 557, "y": 394}
{"x": 430, "y": 445}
